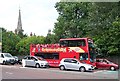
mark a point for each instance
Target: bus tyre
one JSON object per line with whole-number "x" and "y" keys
{"x": 62, "y": 67}
{"x": 37, "y": 66}
{"x": 82, "y": 69}
{"x": 112, "y": 68}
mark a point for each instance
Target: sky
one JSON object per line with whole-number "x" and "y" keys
{"x": 38, "y": 16}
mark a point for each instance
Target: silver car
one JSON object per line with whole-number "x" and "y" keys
{"x": 34, "y": 61}
{"x": 74, "y": 64}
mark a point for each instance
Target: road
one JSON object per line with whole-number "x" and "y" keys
{"x": 19, "y": 72}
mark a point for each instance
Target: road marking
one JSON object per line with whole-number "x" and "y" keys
{"x": 106, "y": 72}
{"x": 99, "y": 71}
{"x": 58, "y": 71}
{"x": 8, "y": 66}
{"x": 9, "y": 73}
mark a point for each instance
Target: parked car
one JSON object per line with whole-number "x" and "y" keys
{"x": 34, "y": 61}
{"x": 16, "y": 59}
{"x": 106, "y": 64}
{"x": 74, "y": 64}
{"x": 7, "y": 58}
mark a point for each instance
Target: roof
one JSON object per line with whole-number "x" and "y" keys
{"x": 74, "y": 39}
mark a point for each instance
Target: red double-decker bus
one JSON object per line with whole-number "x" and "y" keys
{"x": 82, "y": 49}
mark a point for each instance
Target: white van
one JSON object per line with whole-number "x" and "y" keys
{"x": 7, "y": 58}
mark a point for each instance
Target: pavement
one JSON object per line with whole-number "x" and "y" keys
{"x": 19, "y": 72}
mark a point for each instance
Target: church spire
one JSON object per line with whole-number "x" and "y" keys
{"x": 19, "y": 24}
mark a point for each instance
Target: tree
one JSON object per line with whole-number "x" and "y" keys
{"x": 101, "y": 27}
{"x": 72, "y": 19}
{"x": 99, "y": 21}
{"x": 51, "y": 38}
{"x": 114, "y": 34}
{"x": 9, "y": 41}
{"x": 23, "y": 47}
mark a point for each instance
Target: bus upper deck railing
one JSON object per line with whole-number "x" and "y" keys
{"x": 46, "y": 45}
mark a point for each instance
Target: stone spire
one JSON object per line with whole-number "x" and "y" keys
{"x": 19, "y": 24}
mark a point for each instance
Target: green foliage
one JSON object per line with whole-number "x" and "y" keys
{"x": 99, "y": 21}
{"x": 21, "y": 35}
{"x": 0, "y": 34}
{"x": 114, "y": 33}
{"x": 102, "y": 27}
{"x": 23, "y": 47}
{"x": 9, "y": 41}
{"x": 50, "y": 39}
{"x": 72, "y": 19}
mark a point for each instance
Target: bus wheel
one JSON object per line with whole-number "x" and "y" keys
{"x": 82, "y": 69}
{"x": 37, "y": 66}
{"x": 62, "y": 67}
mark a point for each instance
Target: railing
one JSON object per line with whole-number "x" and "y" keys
{"x": 46, "y": 45}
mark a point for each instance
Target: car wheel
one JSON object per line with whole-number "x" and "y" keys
{"x": 62, "y": 67}
{"x": 13, "y": 63}
{"x": 82, "y": 69}
{"x": 4, "y": 63}
{"x": 37, "y": 65}
{"x": 112, "y": 68}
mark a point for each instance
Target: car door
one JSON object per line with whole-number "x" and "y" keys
{"x": 99, "y": 63}
{"x": 74, "y": 64}
{"x": 105, "y": 64}
{"x": 26, "y": 60}
{"x": 31, "y": 61}
{"x": 67, "y": 63}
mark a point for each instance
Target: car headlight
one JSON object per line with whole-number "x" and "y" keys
{"x": 42, "y": 63}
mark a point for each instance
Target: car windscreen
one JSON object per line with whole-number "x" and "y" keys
{"x": 40, "y": 58}
{"x": 8, "y": 55}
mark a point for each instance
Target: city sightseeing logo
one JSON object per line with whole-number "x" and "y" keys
{"x": 53, "y": 49}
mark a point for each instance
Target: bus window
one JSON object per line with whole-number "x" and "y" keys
{"x": 63, "y": 43}
{"x": 48, "y": 55}
{"x": 73, "y": 43}
{"x": 83, "y": 56}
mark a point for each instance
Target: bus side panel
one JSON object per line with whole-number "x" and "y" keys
{"x": 53, "y": 62}
{"x": 68, "y": 55}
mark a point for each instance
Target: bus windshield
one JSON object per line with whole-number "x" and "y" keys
{"x": 92, "y": 51}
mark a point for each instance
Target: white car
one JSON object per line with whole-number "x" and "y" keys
{"x": 7, "y": 58}
{"x": 34, "y": 61}
{"x": 74, "y": 64}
